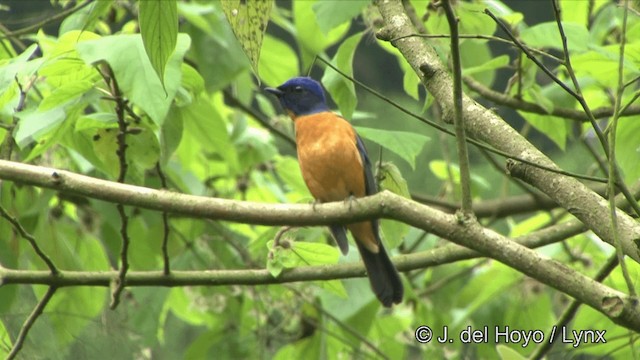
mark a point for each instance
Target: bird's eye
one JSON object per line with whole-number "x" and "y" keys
{"x": 298, "y": 89}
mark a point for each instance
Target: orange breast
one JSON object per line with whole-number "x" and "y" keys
{"x": 329, "y": 159}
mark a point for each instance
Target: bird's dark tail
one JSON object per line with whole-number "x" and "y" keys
{"x": 383, "y": 276}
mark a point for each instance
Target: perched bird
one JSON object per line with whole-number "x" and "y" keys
{"x": 335, "y": 167}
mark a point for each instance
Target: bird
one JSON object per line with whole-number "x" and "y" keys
{"x": 335, "y": 167}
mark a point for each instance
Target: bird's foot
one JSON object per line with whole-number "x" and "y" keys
{"x": 350, "y": 200}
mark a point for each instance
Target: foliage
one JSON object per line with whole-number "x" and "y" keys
{"x": 188, "y": 89}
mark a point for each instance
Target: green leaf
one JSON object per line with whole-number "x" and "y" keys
{"x": 203, "y": 121}
{"x": 314, "y": 253}
{"x": 479, "y": 62}
{"x": 555, "y": 128}
{"x": 135, "y": 74}
{"x": 404, "y": 144}
{"x": 330, "y": 14}
{"x": 602, "y": 64}
{"x": 278, "y": 62}
{"x": 493, "y": 64}
{"x": 628, "y": 147}
{"x": 159, "y": 30}
{"x": 578, "y": 11}
{"x": 546, "y": 35}
{"x": 342, "y": 89}
{"x": 249, "y": 21}
{"x": 310, "y": 38}
{"x": 471, "y": 20}
{"x": 35, "y": 124}
{"x": 390, "y": 178}
{"x": 300, "y": 253}
{"x": 529, "y": 225}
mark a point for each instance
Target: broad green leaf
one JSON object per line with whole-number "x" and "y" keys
{"x": 578, "y": 11}
{"x": 180, "y": 303}
{"x": 546, "y": 35}
{"x": 555, "y": 128}
{"x": 602, "y": 64}
{"x": 535, "y": 95}
{"x": 9, "y": 71}
{"x": 204, "y": 122}
{"x": 249, "y": 21}
{"x": 35, "y": 124}
{"x": 404, "y": 144}
{"x": 159, "y": 30}
{"x": 133, "y": 71}
{"x": 301, "y": 253}
{"x": 390, "y": 178}
{"x": 170, "y": 136}
{"x": 314, "y": 253}
{"x": 64, "y": 94}
{"x": 493, "y": 64}
{"x": 330, "y": 14}
{"x": 471, "y": 20}
{"x": 341, "y": 89}
{"x": 310, "y": 38}
{"x": 479, "y": 62}
{"x": 628, "y": 147}
{"x": 278, "y": 62}
{"x": 143, "y": 151}
{"x": 529, "y": 225}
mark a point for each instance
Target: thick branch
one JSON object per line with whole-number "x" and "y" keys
{"x": 485, "y": 125}
{"x": 616, "y": 305}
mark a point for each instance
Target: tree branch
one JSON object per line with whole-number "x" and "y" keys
{"x": 619, "y": 307}
{"x": 486, "y": 126}
{"x": 458, "y": 120}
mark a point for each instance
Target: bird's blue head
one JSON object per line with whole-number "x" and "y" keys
{"x": 300, "y": 96}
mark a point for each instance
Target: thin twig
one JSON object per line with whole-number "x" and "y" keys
{"x": 612, "y": 156}
{"x": 37, "y": 311}
{"x": 458, "y": 121}
{"x": 578, "y": 90}
{"x": 121, "y": 152}
{"x": 165, "y": 225}
{"x": 18, "y": 227}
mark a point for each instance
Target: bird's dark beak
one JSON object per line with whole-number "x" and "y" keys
{"x": 275, "y": 91}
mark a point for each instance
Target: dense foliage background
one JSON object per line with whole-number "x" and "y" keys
{"x": 79, "y": 80}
